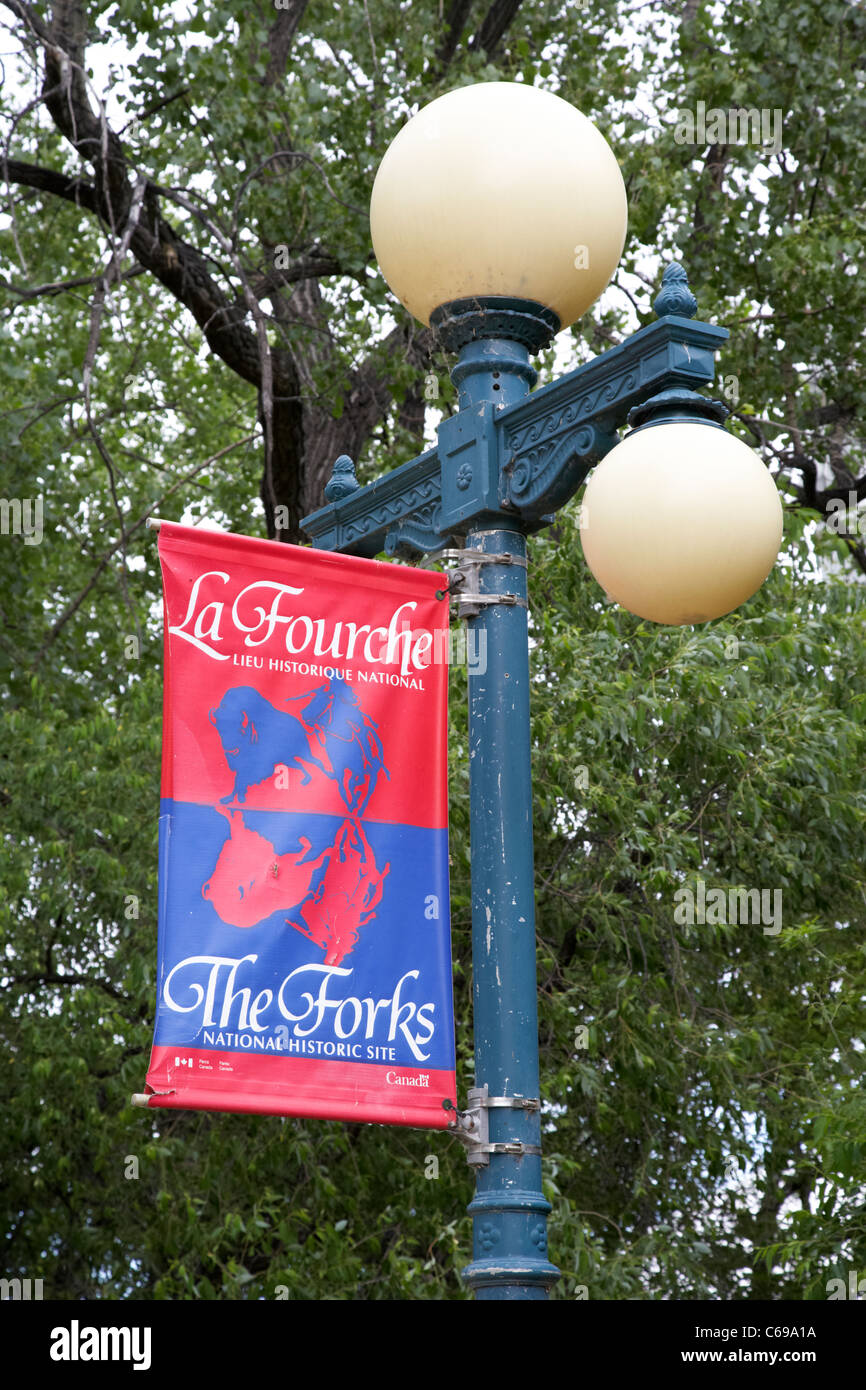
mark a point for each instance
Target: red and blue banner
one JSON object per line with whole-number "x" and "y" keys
{"x": 304, "y": 934}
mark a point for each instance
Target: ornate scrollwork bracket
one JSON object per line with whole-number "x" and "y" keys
{"x": 543, "y": 468}
{"x": 518, "y": 463}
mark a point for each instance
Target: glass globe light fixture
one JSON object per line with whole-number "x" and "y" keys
{"x": 499, "y": 190}
{"x": 680, "y": 522}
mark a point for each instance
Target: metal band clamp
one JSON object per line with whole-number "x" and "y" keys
{"x": 469, "y": 562}
{"x": 482, "y": 557}
{"x": 473, "y": 1126}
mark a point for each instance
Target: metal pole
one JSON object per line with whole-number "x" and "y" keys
{"x": 509, "y": 1209}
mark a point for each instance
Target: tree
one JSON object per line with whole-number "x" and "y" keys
{"x": 194, "y": 325}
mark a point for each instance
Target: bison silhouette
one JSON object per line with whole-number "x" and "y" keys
{"x": 343, "y": 902}
{"x": 250, "y": 881}
{"x": 257, "y": 738}
{"x": 347, "y": 740}
{"x": 327, "y": 731}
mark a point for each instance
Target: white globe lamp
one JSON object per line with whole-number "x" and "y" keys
{"x": 681, "y": 522}
{"x": 499, "y": 190}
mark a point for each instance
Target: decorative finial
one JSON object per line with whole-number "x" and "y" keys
{"x": 342, "y": 482}
{"x": 675, "y": 297}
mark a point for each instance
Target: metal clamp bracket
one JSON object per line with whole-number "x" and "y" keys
{"x": 510, "y": 1102}
{"x": 482, "y": 557}
{"x": 473, "y": 1126}
{"x": 469, "y": 604}
{"x": 465, "y": 602}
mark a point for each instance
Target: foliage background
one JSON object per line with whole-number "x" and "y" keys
{"x": 708, "y": 1139}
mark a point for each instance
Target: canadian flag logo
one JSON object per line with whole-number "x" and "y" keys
{"x": 183, "y": 1061}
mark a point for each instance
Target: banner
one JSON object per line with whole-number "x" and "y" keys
{"x": 304, "y": 933}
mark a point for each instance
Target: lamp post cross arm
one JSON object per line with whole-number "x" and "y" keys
{"x": 552, "y": 438}
{"x": 511, "y": 458}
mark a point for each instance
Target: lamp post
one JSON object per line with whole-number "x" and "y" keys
{"x": 498, "y": 216}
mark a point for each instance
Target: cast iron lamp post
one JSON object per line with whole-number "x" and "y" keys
{"x": 498, "y": 216}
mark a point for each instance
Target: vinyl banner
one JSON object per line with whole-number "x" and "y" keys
{"x": 304, "y": 935}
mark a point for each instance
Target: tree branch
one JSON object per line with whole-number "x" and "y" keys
{"x": 73, "y": 607}
{"x": 60, "y": 286}
{"x": 73, "y": 190}
{"x": 279, "y": 41}
{"x": 494, "y": 25}
{"x": 29, "y": 17}
{"x": 455, "y": 23}
{"x": 73, "y": 978}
